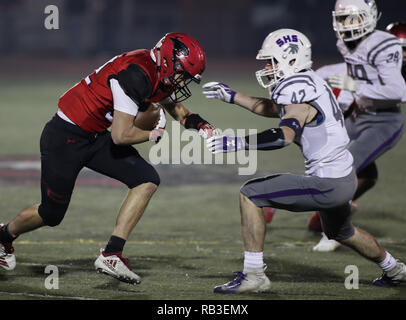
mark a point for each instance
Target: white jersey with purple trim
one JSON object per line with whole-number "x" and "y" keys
{"x": 376, "y": 65}
{"x": 323, "y": 141}
{"x": 345, "y": 98}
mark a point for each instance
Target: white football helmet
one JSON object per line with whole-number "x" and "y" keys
{"x": 287, "y": 51}
{"x": 352, "y": 19}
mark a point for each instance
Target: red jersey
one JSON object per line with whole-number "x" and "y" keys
{"x": 89, "y": 103}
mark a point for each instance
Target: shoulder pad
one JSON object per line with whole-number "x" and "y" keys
{"x": 379, "y": 42}
{"x": 298, "y": 88}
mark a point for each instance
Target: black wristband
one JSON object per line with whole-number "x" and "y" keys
{"x": 194, "y": 121}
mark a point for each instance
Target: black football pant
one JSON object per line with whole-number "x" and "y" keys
{"x": 66, "y": 149}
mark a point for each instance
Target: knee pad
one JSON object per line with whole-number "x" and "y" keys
{"x": 155, "y": 179}
{"x": 53, "y": 208}
{"x": 340, "y": 235}
{"x": 148, "y": 176}
{"x": 337, "y": 223}
{"x": 370, "y": 172}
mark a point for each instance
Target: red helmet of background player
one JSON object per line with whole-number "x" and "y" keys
{"x": 398, "y": 29}
{"x": 180, "y": 59}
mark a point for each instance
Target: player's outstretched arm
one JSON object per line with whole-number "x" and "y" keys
{"x": 188, "y": 119}
{"x": 261, "y": 106}
{"x": 291, "y": 125}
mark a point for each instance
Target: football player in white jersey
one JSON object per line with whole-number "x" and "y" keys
{"x": 310, "y": 117}
{"x": 374, "y": 78}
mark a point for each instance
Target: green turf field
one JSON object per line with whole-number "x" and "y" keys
{"x": 189, "y": 239}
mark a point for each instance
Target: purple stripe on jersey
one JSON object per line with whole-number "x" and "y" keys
{"x": 290, "y": 193}
{"x": 225, "y": 143}
{"x": 379, "y": 150}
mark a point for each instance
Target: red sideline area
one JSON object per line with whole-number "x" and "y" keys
{"x": 26, "y": 171}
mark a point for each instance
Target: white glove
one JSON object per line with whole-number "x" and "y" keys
{"x": 343, "y": 82}
{"x": 218, "y": 90}
{"x": 162, "y": 119}
{"x": 156, "y": 135}
{"x": 208, "y": 132}
{"x": 223, "y": 143}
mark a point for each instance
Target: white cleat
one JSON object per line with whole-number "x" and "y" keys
{"x": 251, "y": 280}
{"x": 7, "y": 258}
{"x": 114, "y": 265}
{"x": 326, "y": 245}
{"x": 394, "y": 277}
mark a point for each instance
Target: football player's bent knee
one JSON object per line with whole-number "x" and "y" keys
{"x": 148, "y": 187}
{"x": 344, "y": 233}
{"x": 370, "y": 173}
{"x": 244, "y": 198}
{"x": 52, "y": 214}
{"x": 150, "y": 176}
{"x": 245, "y": 192}
{"x": 156, "y": 180}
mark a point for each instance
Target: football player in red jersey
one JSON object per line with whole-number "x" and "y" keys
{"x": 77, "y": 137}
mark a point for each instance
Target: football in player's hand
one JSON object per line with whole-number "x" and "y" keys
{"x": 147, "y": 119}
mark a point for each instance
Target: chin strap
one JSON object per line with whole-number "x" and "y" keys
{"x": 158, "y": 62}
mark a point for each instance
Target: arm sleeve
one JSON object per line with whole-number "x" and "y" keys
{"x": 121, "y": 101}
{"x": 270, "y": 139}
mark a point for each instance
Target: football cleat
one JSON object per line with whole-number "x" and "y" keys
{"x": 7, "y": 258}
{"x": 326, "y": 245}
{"x": 393, "y": 277}
{"x": 114, "y": 265}
{"x": 269, "y": 213}
{"x": 252, "y": 280}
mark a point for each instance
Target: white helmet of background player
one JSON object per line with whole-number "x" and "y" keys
{"x": 352, "y": 19}
{"x": 287, "y": 52}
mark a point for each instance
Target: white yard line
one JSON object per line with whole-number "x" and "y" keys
{"x": 24, "y": 165}
{"x": 37, "y": 295}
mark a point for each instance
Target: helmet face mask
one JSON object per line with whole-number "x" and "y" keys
{"x": 180, "y": 82}
{"x": 180, "y": 60}
{"x": 271, "y": 75}
{"x": 286, "y": 52}
{"x": 353, "y": 19}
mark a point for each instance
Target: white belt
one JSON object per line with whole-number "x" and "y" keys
{"x": 64, "y": 117}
